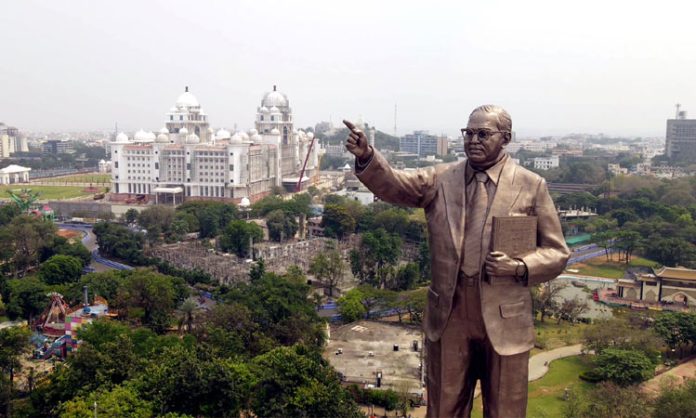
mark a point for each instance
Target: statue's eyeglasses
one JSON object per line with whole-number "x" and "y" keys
{"x": 482, "y": 134}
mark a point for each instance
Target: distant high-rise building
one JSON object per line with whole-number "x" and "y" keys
{"x": 55, "y": 146}
{"x": 11, "y": 141}
{"x": 423, "y": 144}
{"x": 680, "y": 140}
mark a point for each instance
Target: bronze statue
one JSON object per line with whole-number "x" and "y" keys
{"x": 478, "y": 321}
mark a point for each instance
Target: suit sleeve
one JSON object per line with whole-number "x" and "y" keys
{"x": 552, "y": 254}
{"x": 406, "y": 188}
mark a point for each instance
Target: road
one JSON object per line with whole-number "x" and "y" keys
{"x": 89, "y": 240}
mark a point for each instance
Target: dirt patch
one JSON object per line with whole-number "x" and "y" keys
{"x": 69, "y": 234}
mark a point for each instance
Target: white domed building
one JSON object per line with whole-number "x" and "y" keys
{"x": 187, "y": 114}
{"x": 187, "y": 160}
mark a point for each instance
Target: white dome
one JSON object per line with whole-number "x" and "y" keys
{"x": 253, "y": 131}
{"x": 151, "y": 136}
{"x": 102, "y": 161}
{"x": 245, "y": 203}
{"x": 255, "y": 138}
{"x": 274, "y": 98}
{"x": 263, "y": 109}
{"x": 183, "y": 131}
{"x": 122, "y": 137}
{"x": 236, "y": 138}
{"x": 162, "y": 138}
{"x": 310, "y": 135}
{"x": 223, "y": 134}
{"x": 210, "y": 130}
{"x": 193, "y": 139}
{"x": 244, "y": 136}
{"x": 141, "y": 136}
{"x": 275, "y": 110}
{"x": 275, "y": 131}
{"x": 187, "y": 100}
{"x": 164, "y": 131}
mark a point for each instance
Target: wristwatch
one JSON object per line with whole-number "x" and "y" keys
{"x": 520, "y": 270}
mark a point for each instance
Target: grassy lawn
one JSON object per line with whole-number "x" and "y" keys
{"x": 47, "y": 192}
{"x": 612, "y": 269}
{"x": 80, "y": 178}
{"x": 558, "y": 335}
{"x": 546, "y": 394}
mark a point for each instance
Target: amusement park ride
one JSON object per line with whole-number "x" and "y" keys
{"x": 26, "y": 201}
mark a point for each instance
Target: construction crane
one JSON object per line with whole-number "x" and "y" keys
{"x": 304, "y": 166}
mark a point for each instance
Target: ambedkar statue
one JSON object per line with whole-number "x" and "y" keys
{"x": 478, "y": 320}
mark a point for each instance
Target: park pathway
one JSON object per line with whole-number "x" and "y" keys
{"x": 677, "y": 376}
{"x": 539, "y": 363}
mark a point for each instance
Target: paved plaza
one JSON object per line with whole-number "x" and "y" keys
{"x": 368, "y": 347}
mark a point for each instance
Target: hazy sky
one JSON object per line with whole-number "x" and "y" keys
{"x": 586, "y": 66}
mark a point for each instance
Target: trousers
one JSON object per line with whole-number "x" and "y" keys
{"x": 464, "y": 355}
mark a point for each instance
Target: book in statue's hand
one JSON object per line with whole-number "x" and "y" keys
{"x": 515, "y": 236}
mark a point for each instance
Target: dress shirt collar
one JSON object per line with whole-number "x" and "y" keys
{"x": 493, "y": 171}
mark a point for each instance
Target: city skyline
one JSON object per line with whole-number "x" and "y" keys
{"x": 558, "y": 70}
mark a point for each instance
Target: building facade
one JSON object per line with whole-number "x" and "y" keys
{"x": 11, "y": 141}
{"x": 670, "y": 285}
{"x": 680, "y": 139}
{"x": 55, "y": 146}
{"x": 423, "y": 144}
{"x": 179, "y": 164}
{"x": 546, "y": 163}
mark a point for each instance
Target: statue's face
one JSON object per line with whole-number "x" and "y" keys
{"x": 484, "y": 153}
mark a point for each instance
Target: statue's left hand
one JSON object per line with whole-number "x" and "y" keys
{"x": 500, "y": 264}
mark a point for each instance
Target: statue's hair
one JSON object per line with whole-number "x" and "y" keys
{"x": 504, "y": 120}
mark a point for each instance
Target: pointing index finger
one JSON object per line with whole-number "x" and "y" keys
{"x": 350, "y": 125}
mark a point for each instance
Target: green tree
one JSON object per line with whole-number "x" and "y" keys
{"x": 23, "y": 242}
{"x": 281, "y": 225}
{"x": 149, "y": 297}
{"x": 292, "y": 382}
{"x": 624, "y": 367}
{"x": 627, "y": 242}
{"x": 237, "y": 236}
{"x": 61, "y": 269}
{"x": 329, "y": 268}
{"x": 26, "y": 297}
{"x": 119, "y": 242}
{"x": 74, "y": 249}
{"x": 676, "y": 328}
{"x": 186, "y": 380}
{"x": 377, "y": 250}
{"x": 121, "y": 401}
{"x": 13, "y": 342}
{"x": 337, "y": 222}
{"x": 407, "y": 276}
{"x": 607, "y": 400}
{"x": 604, "y": 239}
{"x": 350, "y": 306}
{"x": 157, "y": 218}
{"x": 671, "y": 251}
{"x": 618, "y": 334}
{"x": 545, "y": 298}
{"x": 131, "y": 215}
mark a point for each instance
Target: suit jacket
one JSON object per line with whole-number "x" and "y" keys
{"x": 440, "y": 190}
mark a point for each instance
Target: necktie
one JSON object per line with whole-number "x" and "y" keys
{"x": 475, "y": 219}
